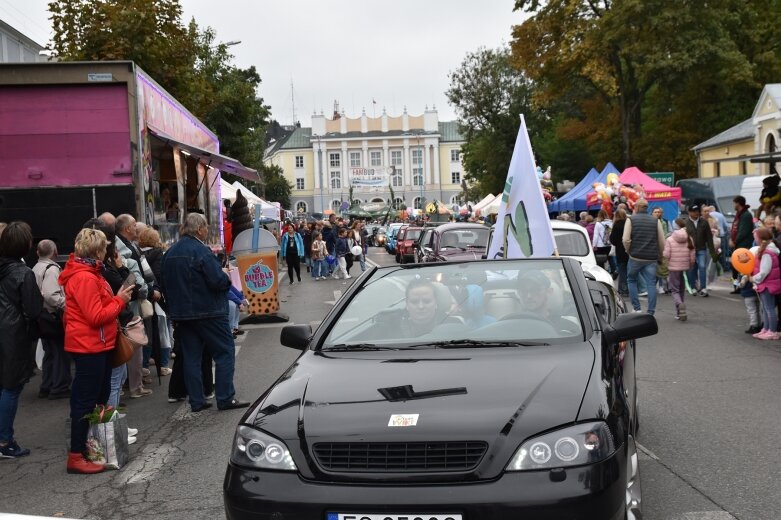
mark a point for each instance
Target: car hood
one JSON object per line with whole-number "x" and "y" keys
{"x": 498, "y": 395}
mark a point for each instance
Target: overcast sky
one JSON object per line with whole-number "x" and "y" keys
{"x": 396, "y": 52}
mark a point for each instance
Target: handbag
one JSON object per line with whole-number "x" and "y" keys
{"x": 50, "y": 324}
{"x": 146, "y": 309}
{"x": 129, "y": 337}
{"x": 107, "y": 442}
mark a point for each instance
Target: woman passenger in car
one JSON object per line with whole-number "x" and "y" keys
{"x": 421, "y": 306}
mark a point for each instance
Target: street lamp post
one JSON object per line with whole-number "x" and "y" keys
{"x": 422, "y": 178}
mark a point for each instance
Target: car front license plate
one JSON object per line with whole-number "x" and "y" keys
{"x": 384, "y": 516}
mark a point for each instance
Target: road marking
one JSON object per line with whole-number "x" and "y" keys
{"x": 705, "y": 515}
{"x": 646, "y": 451}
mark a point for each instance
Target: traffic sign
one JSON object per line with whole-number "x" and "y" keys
{"x": 667, "y": 178}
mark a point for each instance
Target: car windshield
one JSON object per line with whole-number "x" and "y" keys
{"x": 512, "y": 302}
{"x": 571, "y": 242}
{"x": 464, "y": 238}
{"x": 412, "y": 234}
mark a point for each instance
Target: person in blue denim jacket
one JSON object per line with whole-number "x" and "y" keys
{"x": 196, "y": 289}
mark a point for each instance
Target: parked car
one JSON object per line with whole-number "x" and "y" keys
{"x": 405, "y": 244}
{"x": 390, "y": 243}
{"x": 482, "y": 390}
{"x": 457, "y": 241}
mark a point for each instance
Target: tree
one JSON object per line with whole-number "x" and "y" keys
{"x": 489, "y": 95}
{"x": 275, "y": 186}
{"x": 646, "y": 74}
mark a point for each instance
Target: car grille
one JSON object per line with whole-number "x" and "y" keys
{"x": 399, "y": 457}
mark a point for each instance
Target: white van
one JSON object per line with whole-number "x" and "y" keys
{"x": 752, "y": 187}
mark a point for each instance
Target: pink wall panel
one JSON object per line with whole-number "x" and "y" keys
{"x": 64, "y": 135}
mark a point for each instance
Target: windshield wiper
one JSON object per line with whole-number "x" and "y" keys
{"x": 466, "y": 343}
{"x": 356, "y": 346}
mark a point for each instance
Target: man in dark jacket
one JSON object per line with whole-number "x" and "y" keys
{"x": 20, "y": 304}
{"x": 196, "y": 289}
{"x": 700, "y": 233}
{"x": 644, "y": 242}
{"x": 742, "y": 233}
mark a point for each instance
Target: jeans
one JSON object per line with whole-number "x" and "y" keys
{"x": 646, "y": 271}
{"x": 91, "y": 386}
{"x": 769, "y": 316}
{"x": 362, "y": 261}
{"x": 233, "y": 315}
{"x": 320, "y": 268}
{"x": 9, "y": 403}
{"x": 56, "y": 366}
{"x": 699, "y": 268}
{"x": 293, "y": 264}
{"x": 118, "y": 376}
{"x": 213, "y": 335}
{"x": 677, "y": 289}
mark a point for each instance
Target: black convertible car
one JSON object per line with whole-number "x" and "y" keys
{"x": 482, "y": 390}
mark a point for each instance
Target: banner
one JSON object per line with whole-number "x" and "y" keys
{"x": 371, "y": 177}
{"x": 523, "y": 229}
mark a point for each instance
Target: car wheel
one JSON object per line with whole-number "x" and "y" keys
{"x": 634, "y": 492}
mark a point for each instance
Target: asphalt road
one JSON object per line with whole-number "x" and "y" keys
{"x": 709, "y": 405}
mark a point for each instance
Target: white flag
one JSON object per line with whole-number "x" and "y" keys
{"x": 523, "y": 228}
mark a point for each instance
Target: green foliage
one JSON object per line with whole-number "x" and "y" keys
{"x": 186, "y": 60}
{"x": 647, "y": 78}
{"x": 275, "y": 186}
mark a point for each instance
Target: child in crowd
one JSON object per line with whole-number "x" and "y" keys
{"x": 679, "y": 253}
{"x": 767, "y": 281}
{"x": 751, "y": 301}
{"x": 318, "y": 252}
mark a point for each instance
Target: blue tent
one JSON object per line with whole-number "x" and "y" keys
{"x": 575, "y": 199}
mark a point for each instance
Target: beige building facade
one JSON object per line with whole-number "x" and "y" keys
{"x": 748, "y": 148}
{"x": 418, "y": 156}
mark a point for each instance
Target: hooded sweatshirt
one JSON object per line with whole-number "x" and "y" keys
{"x": 677, "y": 252}
{"x": 91, "y": 309}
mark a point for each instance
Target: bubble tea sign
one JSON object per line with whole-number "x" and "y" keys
{"x": 256, "y": 255}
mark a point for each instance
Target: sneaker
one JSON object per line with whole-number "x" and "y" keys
{"x": 760, "y": 333}
{"x": 767, "y": 335}
{"x": 12, "y": 451}
{"x": 682, "y": 312}
{"x": 145, "y": 371}
{"x": 210, "y": 396}
{"x": 704, "y": 293}
{"x": 642, "y": 294}
{"x": 175, "y": 399}
{"x": 347, "y": 277}
{"x": 53, "y": 396}
{"x": 140, "y": 393}
{"x": 131, "y": 440}
{"x": 165, "y": 371}
{"x": 132, "y": 432}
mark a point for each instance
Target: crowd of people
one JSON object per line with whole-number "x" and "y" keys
{"x": 118, "y": 274}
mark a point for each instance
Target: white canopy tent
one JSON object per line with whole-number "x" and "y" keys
{"x": 268, "y": 210}
{"x": 484, "y": 202}
{"x": 493, "y": 207}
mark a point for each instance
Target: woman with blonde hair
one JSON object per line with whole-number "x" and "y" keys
{"x": 91, "y": 312}
{"x": 152, "y": 249}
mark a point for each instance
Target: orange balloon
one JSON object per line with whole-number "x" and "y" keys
{"x": 743, "y": 261}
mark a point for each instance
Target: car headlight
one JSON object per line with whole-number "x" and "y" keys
{"x": 258, "y": 450}
{"x": 585, "y": 443}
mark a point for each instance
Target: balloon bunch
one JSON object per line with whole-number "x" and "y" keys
{"x": 546, "y": 184}
{"x": 613, "y": 192}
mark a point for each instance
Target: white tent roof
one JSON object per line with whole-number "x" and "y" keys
{"x": 493, "y": 207}
{"x": 227, "y": 191}
{"x": 268, "y": 209}
{"x": 484, "y": 202}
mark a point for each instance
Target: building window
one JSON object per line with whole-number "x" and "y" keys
{"x": 299, "y": 184}
{"x": 417, "y": 176}
{"x": 455, "y": 177}
{"x": 335, "y": 160}
{"x": 336, "y": 205}
{"x": 395, "y": 158}
{"x": 299, "y": 161}
{"x": 417, "y": 203}
{"x": 455, "y": 155}
{"x": 336, "y": 180}
{"x": 417, "y": 156}
{"x": 398, "y": 202}
{"x": 397, "y": 179}
{"x": 375, "y": 158}
{"x": 357, "y": 202}
{"x": 717, "y": 169}
{"x": 355, "y": 159}
{"x": 301, "y": 206}
{"x": 454, "y": 200}
{"x": 743, "y": 168}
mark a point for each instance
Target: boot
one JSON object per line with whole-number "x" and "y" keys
{"x": 78, "y": 464}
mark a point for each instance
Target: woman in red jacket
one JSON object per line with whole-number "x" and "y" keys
{"x": 90, "y": 332}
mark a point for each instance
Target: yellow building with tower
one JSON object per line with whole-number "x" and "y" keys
{"x": 418, "y": 156}
{"x": 748, "y": 148}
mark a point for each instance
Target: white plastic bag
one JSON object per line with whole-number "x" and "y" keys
{"x": 39, "y": 355}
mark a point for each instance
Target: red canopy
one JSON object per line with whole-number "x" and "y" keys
{"x": 654, "y": 190}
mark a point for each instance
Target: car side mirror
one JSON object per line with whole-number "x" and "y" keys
{"x": 427, "y": 250}
{"x": 631, "y": 326}
{"x": 296, "y": 336}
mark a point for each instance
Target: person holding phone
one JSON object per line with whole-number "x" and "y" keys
{"x": 91, "y": 312}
